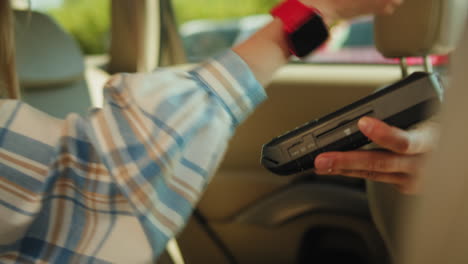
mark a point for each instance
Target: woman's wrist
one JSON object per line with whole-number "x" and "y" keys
{"x": 265, "y": 51}
{"x": 268, "y": 49}
{"x": 329, "y": 16}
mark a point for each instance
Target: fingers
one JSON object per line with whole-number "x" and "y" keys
{"x": 404, "y": 183}
{"x": 389, "y": 7}
{"x": 388, "y": 10}
{"x": 346, "y": 9}
{"x": 386, "y": 136}
{"x": 402, "y": 171}
{"x": 397, "y": 179}
{"x": 415, "y": 141}
{"x": 372, "y": 161}
{"x": 424, "y": 137}
{"x": 409, "y": 188}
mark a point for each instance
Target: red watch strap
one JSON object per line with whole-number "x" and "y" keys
{"x": 293, "y": 14}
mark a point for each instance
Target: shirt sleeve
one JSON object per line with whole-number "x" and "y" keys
{"x": 159, "y": 137}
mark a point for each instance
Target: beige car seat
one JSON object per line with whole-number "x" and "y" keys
{"x": 50, "y": 66}
{"x": 436, "y": 230}
{"x": 418, "y": 28}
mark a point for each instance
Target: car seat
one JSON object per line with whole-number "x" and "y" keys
{"x": 50, "y": 66}
{"x": 436, "y": 231}
{"x": 417, "y": 28}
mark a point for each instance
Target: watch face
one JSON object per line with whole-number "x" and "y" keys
{"x": 309, "y": 36}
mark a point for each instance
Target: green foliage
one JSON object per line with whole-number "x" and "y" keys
{"x": 88, "y": 21}
{"x": 187, "y": 10}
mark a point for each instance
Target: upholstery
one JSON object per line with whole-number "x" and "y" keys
{"x": 50, "y": 66}
{"x": 421, "y": 27}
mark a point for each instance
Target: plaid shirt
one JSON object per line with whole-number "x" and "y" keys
{"x": 117, "y": 185}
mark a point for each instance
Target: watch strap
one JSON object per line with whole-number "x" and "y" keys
{"x": 294, "y": 14}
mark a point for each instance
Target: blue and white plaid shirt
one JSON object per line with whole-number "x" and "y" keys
{"x": 116, "y": 185}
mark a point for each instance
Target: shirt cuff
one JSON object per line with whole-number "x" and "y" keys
{"x": 230, "y": 80}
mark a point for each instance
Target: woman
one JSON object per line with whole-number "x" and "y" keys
{"x": 123, "y": 181}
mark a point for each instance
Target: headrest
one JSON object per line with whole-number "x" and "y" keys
{"x": 46, "y": 55}
{"x": 421, "y": 27}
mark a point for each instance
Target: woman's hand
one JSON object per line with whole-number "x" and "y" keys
{"x": 398, "y": 163}
{"x": 334, "y": 10}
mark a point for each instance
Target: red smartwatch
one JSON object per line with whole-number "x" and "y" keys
{"x": 303, "y": 25}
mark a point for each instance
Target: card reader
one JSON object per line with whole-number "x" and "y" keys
{"x": 402, "y": 104}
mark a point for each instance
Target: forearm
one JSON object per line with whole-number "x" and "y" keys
{"x": 266, "y": 51}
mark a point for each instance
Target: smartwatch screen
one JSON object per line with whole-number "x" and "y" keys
{"x": 309, "y": 36}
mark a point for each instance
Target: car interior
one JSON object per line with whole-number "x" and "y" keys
{"x": 434, "y": 229}
{"x": 437, "y": 29}
{"x": 50, "y": 66}
{"x": 247, "y": 214}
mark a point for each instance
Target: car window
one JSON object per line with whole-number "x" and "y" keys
{"x": 208, "y": 27}
{"x": 88, "y": 21}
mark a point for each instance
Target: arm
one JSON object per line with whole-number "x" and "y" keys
{"x": 267, "y": 50}
{"x": 399, "y": 165}
{"x": 142, "y": 160}
{"x": 148, "y": 154}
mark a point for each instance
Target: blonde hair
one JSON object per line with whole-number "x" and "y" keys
{"x": 8, "y": 76}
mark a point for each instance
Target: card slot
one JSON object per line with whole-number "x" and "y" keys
{"x": 343, "y": 123}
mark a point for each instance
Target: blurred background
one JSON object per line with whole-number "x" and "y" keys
{"x": 89, "y": 21}
{"x": 208, "y": 27}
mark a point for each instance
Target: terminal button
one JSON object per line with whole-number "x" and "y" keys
{"x": 309, "y": 142}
